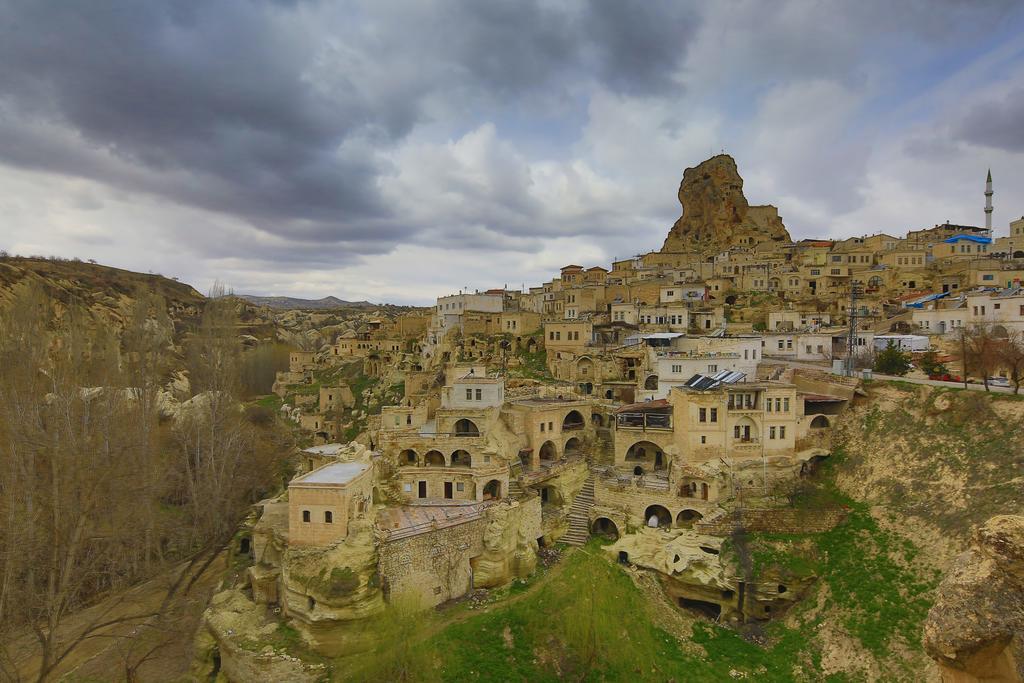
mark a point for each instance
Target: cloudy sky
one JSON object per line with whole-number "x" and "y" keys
{"x": 395, "y": 151}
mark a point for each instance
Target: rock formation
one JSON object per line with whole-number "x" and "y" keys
{"x": 975, "y": 630}
{"x": 716, "y": 215}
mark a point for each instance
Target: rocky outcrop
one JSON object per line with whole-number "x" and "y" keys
{"x": 241, "y": 642}
{"x": 975, "y": 630}
{"x": 509, "y": 551}
{"x": 716, "y": 215}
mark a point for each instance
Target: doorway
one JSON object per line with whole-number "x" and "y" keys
{"x": 447, "y": 489}
{"x": 423, "y": 489}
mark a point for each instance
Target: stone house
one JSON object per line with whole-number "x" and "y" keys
{"x": 321, "y": 503}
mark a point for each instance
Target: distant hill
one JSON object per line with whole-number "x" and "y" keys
{"x": 106, "y": 292}
{"x": 287, "y": 302}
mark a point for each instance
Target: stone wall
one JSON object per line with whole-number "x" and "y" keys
{"x": 431, "y": 567}
{"x": 781, "y": 521}
{"x": 439, "y": 565}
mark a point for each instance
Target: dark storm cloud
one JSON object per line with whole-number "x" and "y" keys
{"x": 276, "y": 112}
{"x": 998, "y": 124}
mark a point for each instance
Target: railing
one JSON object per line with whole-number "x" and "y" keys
{"x": 572, "y": 426}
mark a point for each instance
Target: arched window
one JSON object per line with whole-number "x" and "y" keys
{"x": 466, "y": 427}
{"x": 306, "y": 516}
{"x": 328, "y": 517}
{"x": 573, "y": 420}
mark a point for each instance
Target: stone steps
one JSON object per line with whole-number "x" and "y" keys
{"x": 579, "y": 515}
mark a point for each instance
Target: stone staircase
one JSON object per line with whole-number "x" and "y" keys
{"x": 579, "y": 515}
{"x": 515, "y": 487}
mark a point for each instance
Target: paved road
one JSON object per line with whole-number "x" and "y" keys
{"x": 911, "y": 380}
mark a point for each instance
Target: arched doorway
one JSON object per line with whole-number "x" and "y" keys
{"x": 650, "y": 454}
{"x": 1018, "y": 254}
{"x": 573, "y": 421}
{"x": 686, "y": 518}
{"x": 819, "y": 422}
{"x": 597, "y": 420}
{"x": 606, "y": 528}
{"x": 492, "y": 490}
{"x": 584, "y": 369}
{"x": 434, "y": 459}
{"x": 657, "y": 516}
{"x": 573, "y": 446}
{"x": 466, "y": 427}
{"x": 651, "y": 383}
{"x": 608, "y": 394}
{"x": 548, "y": 451}
{"x": 407, "y": 457}
{"x": 999, "y": 332}
{"x": 461, "y": 458}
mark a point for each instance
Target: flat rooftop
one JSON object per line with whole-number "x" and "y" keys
{"x": 336, "y": 473}
{"x": 443, "y": 512}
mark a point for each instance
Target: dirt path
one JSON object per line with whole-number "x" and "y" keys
{"x": 102, "y": 656}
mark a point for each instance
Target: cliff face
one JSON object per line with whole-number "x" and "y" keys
{"x": 716, "y": 215}
{"x": 974, "y": 630}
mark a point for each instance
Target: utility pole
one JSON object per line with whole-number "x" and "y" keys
{"x": 963, "y": 352}
{"x": 856, "y": 292}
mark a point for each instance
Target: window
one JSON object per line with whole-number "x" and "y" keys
{"x": 789, "y": 343}
{"x": 712, "y": 368}
{"x": 768, "y": 404}
{"x": 714, "y": 414}
{"x": 542, "y": 426}
{"x": 479, "y": 394}
{"x": 460, "y": 486}
{"x": 676, "y": 369}
{"x": 703, "y": 415}
{"x": 988, "y": 277}
{"x": 808, "y": 348}
{"x": 781, "y": 345}
{"x": 778, "y": 405}
{"x": 736, "y": 431}
{"x": 469, "y": 394}
{"x": 703, "y": 439}
{"x": 771, "y": 432}
{"x": 328, "y": 517}
{"x": 785, "y": 405}
{"x": 782, "y": 432}
{"x": 551, "y": 426}
{"x": 305, "y": 516}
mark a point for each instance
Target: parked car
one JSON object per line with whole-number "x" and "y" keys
{"x": 998, "y": 382}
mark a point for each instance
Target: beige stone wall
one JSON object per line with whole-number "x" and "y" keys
{"x": 629, "y": 504}
{"x": 432, "y": 567}
{"x": 781, "y": 521}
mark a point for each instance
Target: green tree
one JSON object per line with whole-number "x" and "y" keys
{"x": 892, "y": 361}
{"x": 930, "y": 364}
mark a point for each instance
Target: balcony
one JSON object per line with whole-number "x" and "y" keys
{"x": 644, "y": 421}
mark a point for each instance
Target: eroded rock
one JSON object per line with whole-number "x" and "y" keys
{"x": 975, "y": 630}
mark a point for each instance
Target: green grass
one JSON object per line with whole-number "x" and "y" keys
{"x": 590, "y": 622}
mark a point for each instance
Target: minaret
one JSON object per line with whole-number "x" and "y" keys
{"x": 988, "y": 201}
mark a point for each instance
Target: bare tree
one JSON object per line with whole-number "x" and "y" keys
{"x": 1011, "y": 357}
{"x": 980, "y": 351}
